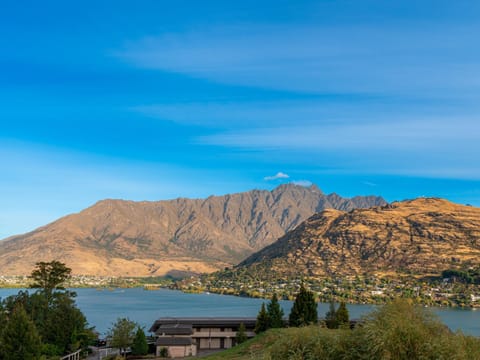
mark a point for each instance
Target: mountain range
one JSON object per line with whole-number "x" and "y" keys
{"x": 420, "y": 237}
{"x": 128, "y": 238}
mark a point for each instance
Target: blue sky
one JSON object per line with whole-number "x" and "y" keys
{"x": 155, "y": 100}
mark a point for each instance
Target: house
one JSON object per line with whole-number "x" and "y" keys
{"x": 188, "y": 336}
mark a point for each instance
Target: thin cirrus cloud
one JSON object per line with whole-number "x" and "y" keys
{"x": 316, "y": 59}
{"x": 421, "y": 147}
{"x": 258, "y": 113}
{"x": 413, "y": 135}
{"x": 279, "y": 175}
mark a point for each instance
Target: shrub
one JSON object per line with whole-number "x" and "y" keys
{"x": 396, "y": 331}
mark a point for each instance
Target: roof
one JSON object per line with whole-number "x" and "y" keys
{"x": 171, "y": 341}
{"x": 175, "y": 329}
{"x": 249, "y": 322}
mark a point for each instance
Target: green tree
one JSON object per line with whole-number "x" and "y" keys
{"x": 3, "y": 318}
{"x": 241, "y": 334}
{"x": 50, "y": 276}
{"x": 331, "y": 317}
{"x": 20, "y": 339}
{"x": 304, "y": 309}
{"x": 66, "y": 326}
{"x": 341, "y": 316}
{"x": 262, "y": 320}
{"x": 275, "y": 313}
{"x": 140, "y": 346}
{"x": 122, "y": 333}
{"x": 61, "y": 325}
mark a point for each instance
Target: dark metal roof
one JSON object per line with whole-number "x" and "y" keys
{"x": 249, "y": 322}
{"x": 172, "y": 341}
{"x": 175, "y": 329}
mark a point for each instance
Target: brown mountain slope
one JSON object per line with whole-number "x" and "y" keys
{"x": 116, "y": 237}
{"x": 422, "y": 236}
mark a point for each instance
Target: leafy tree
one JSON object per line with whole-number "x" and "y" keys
{"x": 331, "y": 317}
{"x": 61, "y": 325}
{"x": 241, "y": 334}
{"x": 140, "y": 346}
{"x": 3, "y": 318}
{"x": 275, "y": 313}
{"x": 304, "y": 310}
{"x": 341, "y": 316}
{"x": 50, "y": 276}
{"x": 122, "y": 333}
{"x": 66, "y": 326}
{"x": 20, "y": 339}
{"x": 262, "y": 320}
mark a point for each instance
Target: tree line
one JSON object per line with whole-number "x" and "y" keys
{"x": 303, "y": 313}
{"x": 45, "y": 323}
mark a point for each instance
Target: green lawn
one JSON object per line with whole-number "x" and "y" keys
{"x": 251, "y": 349}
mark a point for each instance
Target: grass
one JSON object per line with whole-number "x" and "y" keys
{"x": 254, "y": 348}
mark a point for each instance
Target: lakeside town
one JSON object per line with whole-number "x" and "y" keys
{"x": 440, "y": 292}
{"x": 91, "y": 281}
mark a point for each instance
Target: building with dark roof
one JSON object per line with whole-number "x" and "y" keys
{"x": 187, "y": 336}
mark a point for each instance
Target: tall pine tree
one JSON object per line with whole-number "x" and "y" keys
{"x": 304, "y": 310}
{"x": 275, "y": 313}
{"x": 342, "y": 316}
{"x": 331, "y": 317}
{"x": 241, "y": 334}
{"x": 262, "y": 320}
{"x": 20, "y": 339}
{"x": 140, "y": 346}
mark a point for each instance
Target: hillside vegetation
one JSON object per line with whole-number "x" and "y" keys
{"x": 397, "y": 331}
{"x": 423, "y": 236}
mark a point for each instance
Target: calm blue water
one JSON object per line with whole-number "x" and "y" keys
{"x": 103, "y": 307}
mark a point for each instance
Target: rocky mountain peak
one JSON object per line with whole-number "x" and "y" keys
{"x": 119, "y": 237}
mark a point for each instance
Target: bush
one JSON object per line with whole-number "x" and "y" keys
{"x": 395, "y": 331}
{"x": 310, "y": 343}
{"x": 163, "y": 352}
{"x": 400, "y": 330}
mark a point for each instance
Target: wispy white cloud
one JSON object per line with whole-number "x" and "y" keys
{"x": 412, "y": 135}
{"x": 252, "y": 113}
{"x": 421, "y": 147}
{"x": 279, "y": 175}
{"x": 316, "y": 59}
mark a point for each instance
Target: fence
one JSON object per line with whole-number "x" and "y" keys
{"x": 72, "y": 356}
{"x": 104, "y": 352}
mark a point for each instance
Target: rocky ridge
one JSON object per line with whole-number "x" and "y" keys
{"x": 127, "y": 238}
{"x": 418, "y": 237}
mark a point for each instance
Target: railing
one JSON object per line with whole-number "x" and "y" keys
{"x": 219, "y": 334}
{"x": 72, "y": 356}
{"x": 104, "y": 352}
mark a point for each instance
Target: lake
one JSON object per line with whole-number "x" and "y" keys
{"x": 103, "y": 307}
